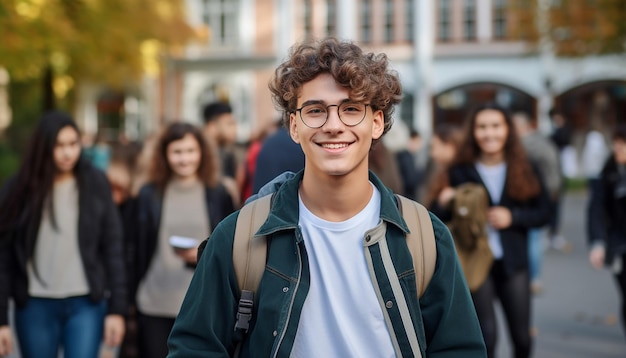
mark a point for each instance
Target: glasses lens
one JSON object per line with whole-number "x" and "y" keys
{"x": 314, "y": 115}
{"x": 351, "y": 113}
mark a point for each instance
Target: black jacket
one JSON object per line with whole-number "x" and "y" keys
{"x": 606, "y": 215}
{"x": 528, "y": 214}
{"x": 142, "y": 240}
{"x": 99, "y": 239}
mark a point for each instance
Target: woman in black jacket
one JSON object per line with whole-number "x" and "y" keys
{"x": 493, "y": 156}
{"x": 606, "y": 216}
{"x": 177, "y": 209}
{"x": 61, "y": 256}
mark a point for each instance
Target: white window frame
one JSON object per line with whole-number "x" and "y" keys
{"x": 223, "y": 19}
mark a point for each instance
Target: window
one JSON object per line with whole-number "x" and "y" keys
{"x": 221, "y": 16}
{"x": 443, "y": 22}
{"x": 331, "y": 18}
{"x": 499, "y": 19}
{"x": 308, "y": 19}
{"x": 388, "y": 21}
{"x": 407, "y": 109}
{"x": 366, "y": 21}
{"x": 469, "y": 20}
{"x": 410, "y": 14}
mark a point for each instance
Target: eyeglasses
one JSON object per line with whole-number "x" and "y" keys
{"x": 315, "y": 115}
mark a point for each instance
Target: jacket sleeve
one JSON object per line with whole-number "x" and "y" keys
{"x": 224, "y": 201}
{"x": 5, "y": 284}
{"x": 114, "y": 252}
{"x": 450, "y": 320}
{"x": 6, "y": 238}
{"x": 596, "y": 213}
{"x": 205, "y": 324}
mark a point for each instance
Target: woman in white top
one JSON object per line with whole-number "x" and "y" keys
{"x": 493, "y": 156}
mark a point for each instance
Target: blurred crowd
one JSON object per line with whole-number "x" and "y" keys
{"x": 171, "y": 190}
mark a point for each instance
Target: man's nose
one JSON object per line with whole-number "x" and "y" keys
{"x": 333, "y": 121}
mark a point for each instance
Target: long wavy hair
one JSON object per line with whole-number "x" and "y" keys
{"x": 366, "y": 75}
{"x": 521, "y": 179}
{"x": 34, "y": 180}
{"x": 160, "y": 171}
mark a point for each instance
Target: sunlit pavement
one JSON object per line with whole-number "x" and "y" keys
{"x": 576, "y": 313}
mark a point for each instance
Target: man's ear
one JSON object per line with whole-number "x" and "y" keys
{"x": 378, "y": 124}
{"x": 293, "y": 128}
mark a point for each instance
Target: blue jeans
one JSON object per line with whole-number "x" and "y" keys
{"x": 535, "y": 253}
{"x": 46, "y": 324}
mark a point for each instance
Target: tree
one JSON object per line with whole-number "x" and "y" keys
{"x": 50, "y": 46}
{"x": 574, "y": 27}
{"x": 582, "y": 27}
{"x": 61, "y": 42}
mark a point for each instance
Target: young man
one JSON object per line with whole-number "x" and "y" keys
{"x": 220, "y": 130}
{"x": 330, "y": 226}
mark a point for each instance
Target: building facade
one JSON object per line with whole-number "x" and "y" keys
{"x": 450, "y": 54}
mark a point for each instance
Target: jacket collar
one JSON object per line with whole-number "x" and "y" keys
{"x": 284, "y": 211}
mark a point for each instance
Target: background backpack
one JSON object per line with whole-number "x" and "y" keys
{"x": 469, "y": 230}
{"x": 469, "y": 215}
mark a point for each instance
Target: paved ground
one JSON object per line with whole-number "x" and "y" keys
{"x": 576, "y": 313}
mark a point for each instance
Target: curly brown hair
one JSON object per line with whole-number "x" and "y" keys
{"x": 160, "y": 172}
{"x": 521, "y": 178}
{"x": 366, "y": 75}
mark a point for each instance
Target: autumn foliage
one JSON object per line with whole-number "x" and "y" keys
{"x": 95, "y": 40}
{"x": 574, "y": 27}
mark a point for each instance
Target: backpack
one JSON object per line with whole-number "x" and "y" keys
{"x": 249, "y": 251}
{"x": 469, "y": 215}
{"x": 469, "y": 230}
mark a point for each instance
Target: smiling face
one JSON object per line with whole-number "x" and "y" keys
{"x": 66, "y": 150}
{"x": 183, "y": 157}
{"x": 491, "y": 132}
{"x": 334, "y": 149}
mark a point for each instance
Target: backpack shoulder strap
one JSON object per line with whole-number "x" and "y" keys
{"x": 420, "y": 240}
{"x": 249, "y": 255}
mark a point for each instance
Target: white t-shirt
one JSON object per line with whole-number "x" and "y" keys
{"x": 494, "y": 178}
{"x": 341, "y": 316}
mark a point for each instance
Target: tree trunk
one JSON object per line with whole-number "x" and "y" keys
{"x": 49, "y": 99}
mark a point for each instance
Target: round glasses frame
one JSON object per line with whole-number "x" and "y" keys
{"x": 338, "y": 113}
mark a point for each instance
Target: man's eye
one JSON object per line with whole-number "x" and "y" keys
{"x": 315, "y": 110}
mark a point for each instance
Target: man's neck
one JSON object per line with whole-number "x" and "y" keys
{"x": 336, "y": 198}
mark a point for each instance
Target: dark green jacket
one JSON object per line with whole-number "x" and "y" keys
{"x": 442, "y": 323}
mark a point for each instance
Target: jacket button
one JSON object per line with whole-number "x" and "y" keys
{"x": 285, "y": 289}
{"x": 368, "y": 238}
{"x": 274, "y": 333}
{"x": 389, "y": 304}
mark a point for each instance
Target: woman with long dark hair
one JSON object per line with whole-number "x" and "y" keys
{"x": 493, "y": 156}
{"x": 61, "y": 257}
{"x": 176, "y": 210}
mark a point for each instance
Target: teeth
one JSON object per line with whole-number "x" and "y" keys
{"x": 334, "y": 146}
